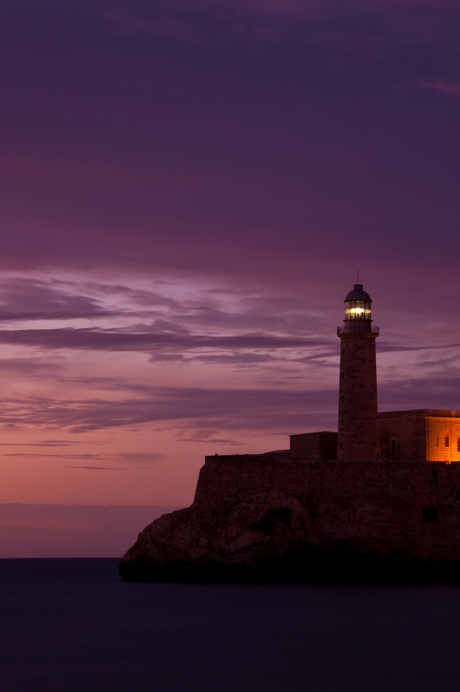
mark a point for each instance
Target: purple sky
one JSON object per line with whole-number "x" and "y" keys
{"x": 187, "y": 191}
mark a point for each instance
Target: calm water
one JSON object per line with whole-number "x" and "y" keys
{"x": 72, "y": 625}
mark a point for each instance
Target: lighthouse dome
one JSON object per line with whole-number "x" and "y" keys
{"x": 358, "y": 294}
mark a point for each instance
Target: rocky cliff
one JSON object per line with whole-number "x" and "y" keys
{"x": 259, "y": 518}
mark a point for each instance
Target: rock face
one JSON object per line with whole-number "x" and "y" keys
{"x": 257, "y": 518}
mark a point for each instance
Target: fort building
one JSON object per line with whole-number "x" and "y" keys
{"x": 321, "y": 446}
{"x": 420, "y": 435}
{"x": 417, "y": 435}
{"x": 364, "y": 433}
{"x": 384, "y": 489}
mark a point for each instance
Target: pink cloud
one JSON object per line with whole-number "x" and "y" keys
{"x": 120, "y": 340}
{"x": 221, "y": 409}
{"x": 443, "y": 85}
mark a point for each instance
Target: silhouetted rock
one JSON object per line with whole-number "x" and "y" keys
{"x": 257, "y": 519}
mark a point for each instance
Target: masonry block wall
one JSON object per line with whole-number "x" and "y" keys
{"x": 443, "y": 435}
{"x": 315, "y": 446}
{"x": 403, "y": 435}
{"x": 377, "y": 508}
{"x": 419, "y": 435}
{"x": 416, "y": 435}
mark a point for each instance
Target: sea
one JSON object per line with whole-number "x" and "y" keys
{"x": 71, "y": 625}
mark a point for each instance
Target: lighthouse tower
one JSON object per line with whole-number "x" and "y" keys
{"x": 358, "y": 438}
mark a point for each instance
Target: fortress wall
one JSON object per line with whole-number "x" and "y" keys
{"x": 377, "y": 506}
{"x": 314, "y": 446}
{"x": 419, "y": 435}
{"x": 408, "y": 429}
{"x": 443, "y": 435}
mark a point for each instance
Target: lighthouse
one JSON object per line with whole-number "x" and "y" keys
{"x": 358, "y": 438}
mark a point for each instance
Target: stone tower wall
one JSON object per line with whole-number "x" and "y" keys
{"x": 358, "y": 437}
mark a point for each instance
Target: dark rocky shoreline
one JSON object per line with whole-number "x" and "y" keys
{"x": 259, "y": 520}
{"x": 304, "y": 564}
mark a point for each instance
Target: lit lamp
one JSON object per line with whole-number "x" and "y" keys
{"x": 357, "y": 311}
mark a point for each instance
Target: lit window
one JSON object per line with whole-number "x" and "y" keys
{"x": 446, "y": 441}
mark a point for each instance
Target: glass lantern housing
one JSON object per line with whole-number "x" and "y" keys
{"x": 357, "y": 313}
{"x": 358, "y": 304}
{"x": 358, "y": 309}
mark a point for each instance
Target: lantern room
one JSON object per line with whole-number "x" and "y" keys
{"x": 358, "y": 304}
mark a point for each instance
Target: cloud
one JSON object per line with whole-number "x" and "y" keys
{"x": 136, "y": 296}
{"x": 133, "y": 458}
{"x": 51, "y": 456}
{"x": 208, "y": 326}
{"x": 28, "y": 366}
{"x": 106, "y": 468}
{"x": 298, "y": 8}
{"x": 42, "y": 443}
{"x": 420, "y": 393}
{"x": 357, "y": 26}
{"x": 230, "y": 409}
{"x": 442, "y": 85}
{"x": 123, "y": 22}
{"x": 237, "y": 359}
{"x": 242, "y": 350}
{"x": 100, "y": 340}
{"x": 94, "y": 468}
{"x": 388, "y": 347}
{"x": 34, "y": 299}
{"x": 207, "y": 436}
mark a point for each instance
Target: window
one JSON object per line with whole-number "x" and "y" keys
{"x": 437, "y": 442}
{"x": 341, "y": 421}
{"x": 446, "y": 441}
{"x": 343, "y": 351}
{"x": 458, "y": 444}
{"x": 342, "y": 375}
{"x": 393, "y": 446}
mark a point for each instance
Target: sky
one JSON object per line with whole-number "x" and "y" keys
{"x": 187, "y": 191}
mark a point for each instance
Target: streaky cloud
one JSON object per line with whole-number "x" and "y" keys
{"x": 98, "y": 339}
{"x": 229, "y": 409}
{"x": 442, "y": 85}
